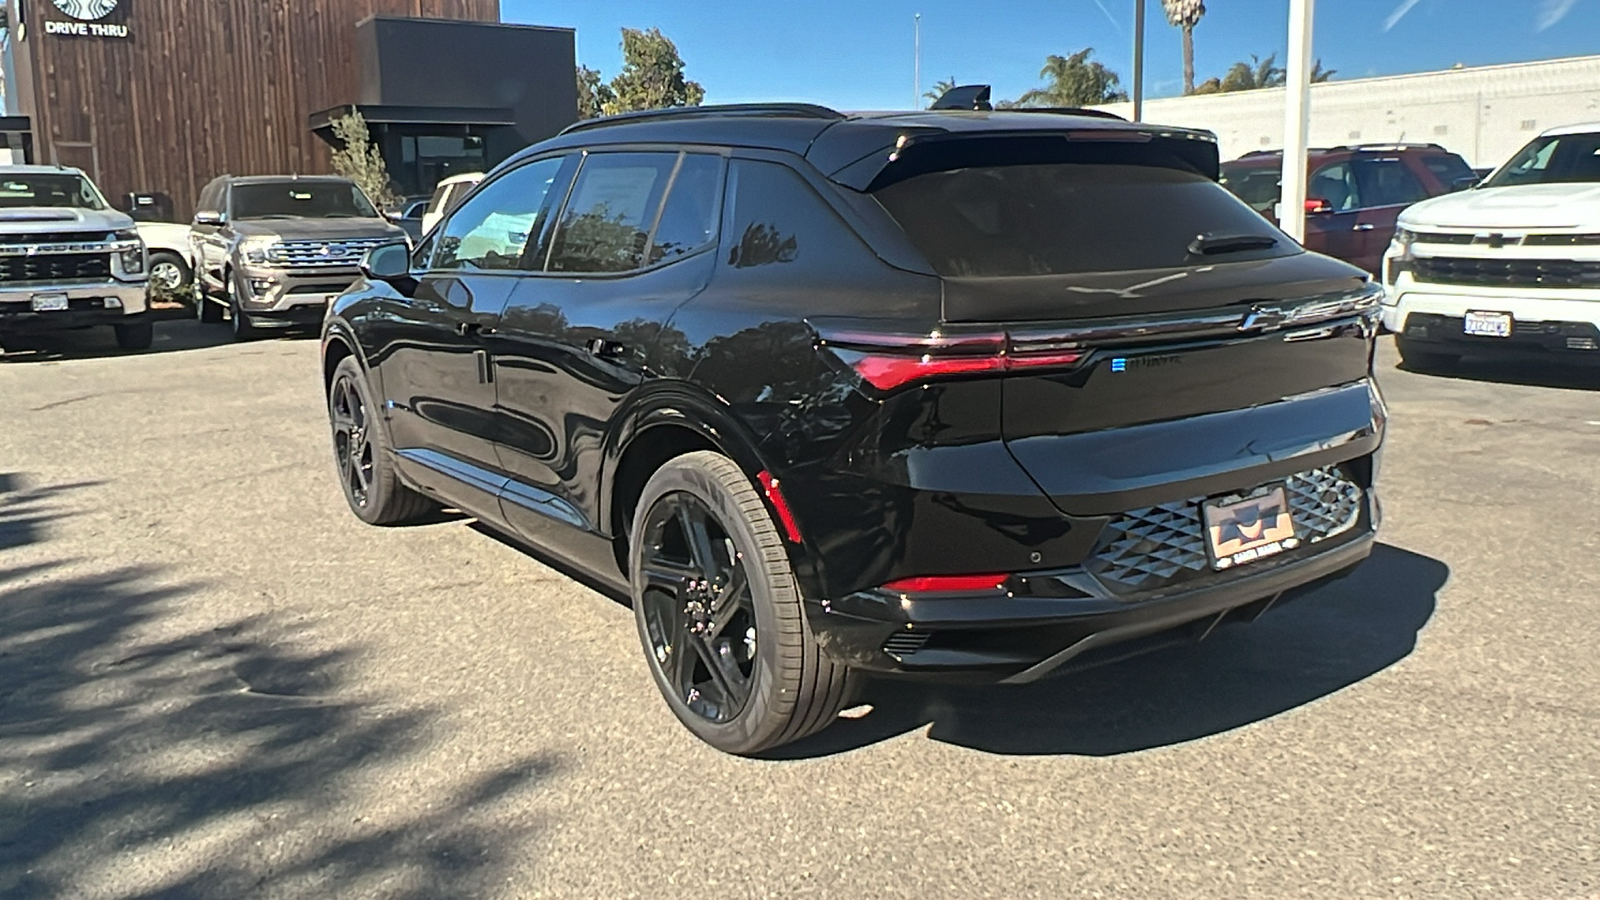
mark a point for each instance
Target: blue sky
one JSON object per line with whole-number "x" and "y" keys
{"x": 857, "y": 54}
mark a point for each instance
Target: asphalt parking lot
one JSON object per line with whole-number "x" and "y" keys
{"x": 215, "y": 682}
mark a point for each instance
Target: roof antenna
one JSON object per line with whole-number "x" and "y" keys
{"x": 965, "y": 96}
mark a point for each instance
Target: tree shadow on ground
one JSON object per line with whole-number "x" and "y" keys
{"x": 138, "y": 759}
{"x": 1313, "y": 647}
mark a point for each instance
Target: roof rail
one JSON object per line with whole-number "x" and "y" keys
{"x": 786, "y": 110}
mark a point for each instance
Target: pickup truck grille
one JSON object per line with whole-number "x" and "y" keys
{"x": 322, "y": 254}
{"x": 1531, "y": 273}
{"x": 54, "y": 267}
{"x": 55, "y": 237}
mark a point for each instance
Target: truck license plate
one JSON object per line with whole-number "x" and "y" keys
{"x": 1488, "y": 324}
{"x": 49, "y": 302}
{"x": 1243, "y": 530}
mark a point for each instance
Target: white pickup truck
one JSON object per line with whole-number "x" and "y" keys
{"x": 1511, "y": 266}
{"x": 67, "y": 259}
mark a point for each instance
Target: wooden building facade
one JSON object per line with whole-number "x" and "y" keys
{"x": 163, "y": 95}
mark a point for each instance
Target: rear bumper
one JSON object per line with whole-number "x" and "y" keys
{"x": 1050, "y": 620}
{"x": 86, "y": 306}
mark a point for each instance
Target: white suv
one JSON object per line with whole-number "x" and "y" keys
{"x": 1512, "y": 265}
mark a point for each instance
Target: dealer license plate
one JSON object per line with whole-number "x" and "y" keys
{"x": 1488, "y": 324}
{"x": 1242, "y": 530}
{"x": 49, "y": 302}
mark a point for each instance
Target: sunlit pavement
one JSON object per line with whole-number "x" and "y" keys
{"x": 215, "y": 682}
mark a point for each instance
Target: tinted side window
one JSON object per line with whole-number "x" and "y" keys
{"x": 1336, "y": 186}
{"x": 689, "y": 218}
{"x": 1449, "y": 168}
{"x": 1387, "y": 182}
{"x": 613, "y": 208}
{"x": 491, "y": 230}
{"x": 776, "y": 219}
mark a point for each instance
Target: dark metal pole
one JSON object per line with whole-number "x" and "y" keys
{"x": 1138, "y": 60}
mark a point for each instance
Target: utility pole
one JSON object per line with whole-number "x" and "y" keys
{"x": 916, "y": 61}
{"x": 1296, "y": 120}
{"x": 1138, "y": 60}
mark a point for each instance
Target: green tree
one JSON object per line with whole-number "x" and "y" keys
{"x": 359, "y": 160}
{"x": 1074, "y": 81}
{"x": 1185, "y": 14}
{"x": 651, "y": 76}
{"x": 1254, "y": 75}
{"x": 593, "y": 94}
{"x": 939, "y": 89}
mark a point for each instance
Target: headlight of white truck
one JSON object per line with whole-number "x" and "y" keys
{"x": 257, "y": 249}
{"x": 131, "y": 258}
{"x": 1398, "y": 257}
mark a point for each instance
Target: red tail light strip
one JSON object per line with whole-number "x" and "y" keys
{"x": 886, "y": 372}
{"x": 769, "y": 486}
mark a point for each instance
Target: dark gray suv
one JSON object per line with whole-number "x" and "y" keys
{"x": 272, "y": 250}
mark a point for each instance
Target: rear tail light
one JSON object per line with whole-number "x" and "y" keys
{"x": 933, "y": 584}
{"x": 888, "y": 360}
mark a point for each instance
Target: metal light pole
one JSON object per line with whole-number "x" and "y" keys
{"x": 916, "y": 61}
{"x": 1296, "y": 120}
{"x": 1138, "y": 60}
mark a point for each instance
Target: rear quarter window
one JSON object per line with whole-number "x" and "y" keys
{"x": 1061, "y": 218}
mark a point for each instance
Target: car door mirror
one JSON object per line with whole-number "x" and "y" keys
{"x": 210, "y": 217}
{"x": 1465, "y": 183}
{"x": 389, "y": 263}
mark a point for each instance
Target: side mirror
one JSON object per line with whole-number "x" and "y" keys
{"x": 210, "y": 217}
{"x": 390, "y": 263}
{"x": 1465, "y": 183}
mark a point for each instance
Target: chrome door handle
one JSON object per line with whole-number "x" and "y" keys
{"x": 1364, "y": 226}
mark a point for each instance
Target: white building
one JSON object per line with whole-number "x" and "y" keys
{"x": 1484, "y": 113}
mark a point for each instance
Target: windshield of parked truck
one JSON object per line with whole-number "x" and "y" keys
{"x": 62, "y": 189}
{"x": 300, "y": 199}
{"x": 1552, "y": 159}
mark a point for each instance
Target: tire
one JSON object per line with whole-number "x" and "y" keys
{"x": 135, "y": 335}
{"x": 206, "y": 310}
{"x": 1418, "y": 359}
{"x": 242, "y": 329}
{"x": 362, "y": 456}
{"x": 737, "y": 611}
{"x": 169, "y": 273}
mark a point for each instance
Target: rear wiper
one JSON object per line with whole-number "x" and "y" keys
{"x": 1212, "y": 244}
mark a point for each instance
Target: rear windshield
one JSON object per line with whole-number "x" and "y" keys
{"x": 1548, "y": 160}
{"x": 293, "y": 199}
{"x": 1059, "y": 218}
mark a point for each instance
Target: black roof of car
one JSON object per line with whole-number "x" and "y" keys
{"x": 277, "y": 179}
{"x": 833, "y": 141}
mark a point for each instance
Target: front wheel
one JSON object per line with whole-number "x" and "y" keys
{"x": 169, "y": 274}
{"x": 135, "y": 335}
{"x": 719, "y": 612}
{"x": 243, "y": 330}
{"x": 361, "y": 451}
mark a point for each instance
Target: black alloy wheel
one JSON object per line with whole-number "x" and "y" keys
{"x": 361, "y": 453}
{"x": 351, "y": 447}
{"x": 719, "y": 612}
{"x": 699, "y": 613}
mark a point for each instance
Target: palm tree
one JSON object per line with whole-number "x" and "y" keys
{"x": 1253, "y": 75}
{"x": 1319, "y": 74}
{"x": 1074, "y": 81}
{"x": 1185, "y": 14}
{"x": 940, "y": 88}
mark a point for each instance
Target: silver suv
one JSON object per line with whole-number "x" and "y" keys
{"x": 272, "y": 250}
{"x": 67, "y": 259}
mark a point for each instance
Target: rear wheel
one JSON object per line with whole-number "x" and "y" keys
{"x": 719, "y": 612}
{"x": 1421, "y": 359}
{"x": 361, "y": 451}
{"x": 135, "y": 335}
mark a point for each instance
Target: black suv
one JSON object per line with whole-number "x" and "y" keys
{"x": 948, "y": 393}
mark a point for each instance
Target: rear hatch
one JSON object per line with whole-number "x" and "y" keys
{"x": 1190, "y": 317}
